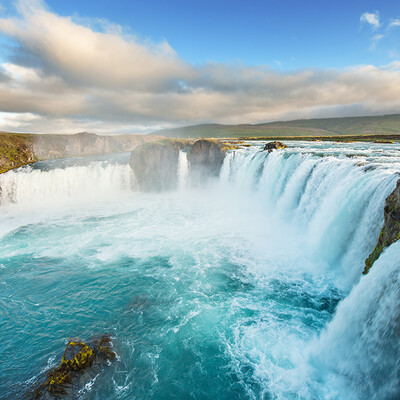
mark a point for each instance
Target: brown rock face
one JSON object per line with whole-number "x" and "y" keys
{"x": 391, "y": 229}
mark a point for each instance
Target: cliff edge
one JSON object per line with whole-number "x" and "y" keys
{"x": 391, "y": 228}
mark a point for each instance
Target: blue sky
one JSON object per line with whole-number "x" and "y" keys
{"x": 227, "y": 61}
{"x": 296, "y": 34}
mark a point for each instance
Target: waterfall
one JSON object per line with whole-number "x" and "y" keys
{"x": 335, "y": 204}
{"x": 361, "y": 343}
{"x": 91, "y": 182}
{"x": 257, "y": 271}
{"x": 183, "y": 170}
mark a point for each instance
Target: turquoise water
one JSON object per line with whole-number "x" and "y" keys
{"x": 219, "y": 291}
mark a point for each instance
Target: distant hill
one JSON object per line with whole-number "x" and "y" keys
{"x": 375, "y": 125}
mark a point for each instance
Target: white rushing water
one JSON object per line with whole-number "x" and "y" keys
{"x": 249, "y": 287}
{"x": 91, "y": 182}
{"x": 333, "y": 203}
{"x": 183, "y": 170}
{"x": 362, "y": 341}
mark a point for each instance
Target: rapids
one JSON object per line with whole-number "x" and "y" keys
{"x": 249, "y": 287}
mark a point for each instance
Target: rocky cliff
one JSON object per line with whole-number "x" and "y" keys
{"x": 83, "y": 144}
{"x": 156, "y": 164}
{"x": 391, "y": 229}
{"x": 20, "y": 149}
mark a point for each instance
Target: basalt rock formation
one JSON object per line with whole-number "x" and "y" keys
{"x": 274, "y": 146}
{"x": 391, "y": 229}
{"x": 205, "y": 159}
{"x": 155, "y": 164}
{"x": 80, "y": 363}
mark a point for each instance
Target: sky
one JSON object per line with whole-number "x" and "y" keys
{"x": 137, "y": 66}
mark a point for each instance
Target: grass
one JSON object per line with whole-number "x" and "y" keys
{"x": 355, "y": 126}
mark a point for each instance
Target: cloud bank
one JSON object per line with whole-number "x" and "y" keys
{"x": 63, "y": 77}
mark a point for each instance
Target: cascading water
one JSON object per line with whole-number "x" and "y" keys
{"x": 334, "y": 203}
{"x": 183, "y": 170}
{"x": 361, "y": 343}
{"x": 72, "y": 183}
{"x": 224, "y": 291}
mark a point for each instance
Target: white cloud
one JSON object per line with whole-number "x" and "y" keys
{"x": 67, "y": 77}
{"x": 375, "y": 40}
{"x": 371, "y": 18}
{"x": 394, "y": 23}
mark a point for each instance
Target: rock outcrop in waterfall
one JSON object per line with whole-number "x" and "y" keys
{"x": 205, "y": 159}
{"x": 274, "y": 146}
{"x": 391, "y": 229}
{"x": 155, "y": 164}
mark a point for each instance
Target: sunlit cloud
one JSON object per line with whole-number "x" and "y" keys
{"x": 66, "y": 77}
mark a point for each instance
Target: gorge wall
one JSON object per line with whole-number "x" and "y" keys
{"x": 20, "y": 149}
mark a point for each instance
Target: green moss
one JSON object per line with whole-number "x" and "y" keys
{"x": 229, "y": 146}
{"x": 62, "y": 375}
{"x": 15, "y": 150}
{"x": 381, "y": 245}
{"x": 82, "y": 358}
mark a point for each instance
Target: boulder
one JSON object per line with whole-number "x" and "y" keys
{"x": 274, "y": 146}
{"x": 79, "y": 364}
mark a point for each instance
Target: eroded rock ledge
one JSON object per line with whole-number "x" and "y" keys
{"x": 391, "y": 229}
{"x": 155, "y": 164}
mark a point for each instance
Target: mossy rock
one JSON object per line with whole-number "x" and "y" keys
{"x": 78, "y": 359}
